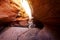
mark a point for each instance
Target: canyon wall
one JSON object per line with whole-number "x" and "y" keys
{"x": 7, "y": 11}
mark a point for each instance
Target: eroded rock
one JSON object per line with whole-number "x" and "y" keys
{"x": 7, "y": 11}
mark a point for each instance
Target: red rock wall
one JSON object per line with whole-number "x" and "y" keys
{"x": 46, "y": 10}
{"x": 7, "y": 11}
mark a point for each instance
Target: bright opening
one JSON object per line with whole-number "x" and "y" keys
{"x": 26, "y": 7}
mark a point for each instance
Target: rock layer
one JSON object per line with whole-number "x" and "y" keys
{"x": 7, "y": 11}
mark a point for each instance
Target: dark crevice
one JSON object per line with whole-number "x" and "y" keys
{"x": 38, "y": 24}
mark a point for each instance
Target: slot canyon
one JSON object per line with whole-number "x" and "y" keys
{"x": 41, "y": 23}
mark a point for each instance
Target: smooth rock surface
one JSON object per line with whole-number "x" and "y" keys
{"x": 18, "y": 33}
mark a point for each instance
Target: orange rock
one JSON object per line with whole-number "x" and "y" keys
{"x": 7, "y": 11}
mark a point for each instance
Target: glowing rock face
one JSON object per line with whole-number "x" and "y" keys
{"x": 23, "y": 4}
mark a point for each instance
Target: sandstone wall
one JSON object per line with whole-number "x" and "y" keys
{"x": 7, "y": 11}
{"x": 46, "y": 10}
